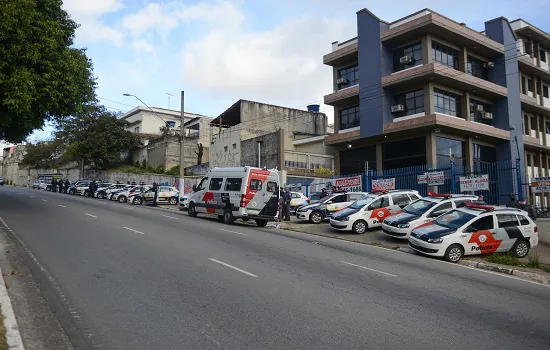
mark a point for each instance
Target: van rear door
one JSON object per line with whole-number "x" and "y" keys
{"x": 263, "y": 188}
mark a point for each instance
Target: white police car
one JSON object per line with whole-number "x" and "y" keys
{"x": 332, "y": 203}
{"x": 476, "y": 229}
{"x": 370, "y": 210}
{"x": 421, "y": 211}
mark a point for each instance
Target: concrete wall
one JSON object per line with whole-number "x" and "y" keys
{"x": 225, "y": 151}
{"x": 270, "y": 151}
{"x": 151, "y": 123}
{"x": 166, "y": 151}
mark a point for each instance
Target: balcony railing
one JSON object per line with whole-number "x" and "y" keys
{"x": 308, "y": 162}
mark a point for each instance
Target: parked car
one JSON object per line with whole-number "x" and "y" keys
{"x": 371, "y": 210}
{"x": 36, "y": 184}
{"x": 476, "y": 229}
{"x": 109, "y": 192}
{"x": 125, "y": 194}
{"x": 165, "y": 194}
{"x": 237, "y": 193}
{"x": 298, "y": 200}
{"x": 1, "y": 181}
{"x": 321, "y": 210}
{"x": 82, "y": 184}
{"x": 184, "y": 201}
{"x": 421, "y": 211}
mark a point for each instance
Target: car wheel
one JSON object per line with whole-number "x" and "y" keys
{"x": 192, "y": 212}
{"x": 261, "y": 223}
{"x": 72, "y": 191}
{"x": 101, "y": 195}
{"x": 48, "y": 188}
{"x": 137, "y": 201}
{"x": 86, "y": 194}
{"x": 316, "y": 217}
{"x": 228, "y": 217}
{"x": 359, "y": 227}
{"x": 122, "y": 199}
{"x": 454, "y": 253}
{"x": 521, "y": 248}
{"x": 173, "y": 201}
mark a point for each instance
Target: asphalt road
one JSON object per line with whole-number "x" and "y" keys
{"x": 140, "y": 278}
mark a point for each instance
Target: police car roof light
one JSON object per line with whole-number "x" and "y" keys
{"x": 379, "y": 191}
{"x": 442, "y": 195}
{"x": 471, "y": 205}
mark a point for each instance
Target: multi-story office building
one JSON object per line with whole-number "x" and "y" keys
{"x": 425, "y": 89}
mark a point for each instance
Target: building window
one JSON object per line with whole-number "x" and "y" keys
{"x": 523, "y": 86}
{"x": 234, "y": 146}
{"x": 545, "y": 91}
{"x": 225, "y": 148}
{"x": 351, "y": 74}
{"x": 484, "y": 153}
{"x": 530, "y": 86}
{"x": 414, "y": 51}
{"x": 357, "y": 160}
{"x": 349, "y": 118}
{"x": 542, "y": 55}
{"x": 402, "y": 154}
{"x": 447, "y": 103}
{"x": 412, "y": 101}
{"x": 475, "y": 68}
{"x": 445, "y": 55}
{"x": 445, "y": 148}
{"x": 478, "y": 112}
{"x": 136, "y": 130}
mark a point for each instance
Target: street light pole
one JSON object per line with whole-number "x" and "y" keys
{"x": 152, "y": 110}
{"x": 182, "y": 147}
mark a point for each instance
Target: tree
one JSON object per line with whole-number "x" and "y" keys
{"x": 95, "y": 136}
{"x": 42, "y": 155}
{"x": 42, "y": 77}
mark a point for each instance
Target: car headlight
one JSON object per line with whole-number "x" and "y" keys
{"x": 435, "y": 240}
{"x": 403, "y": 225}
{"x": 345, "y": 218}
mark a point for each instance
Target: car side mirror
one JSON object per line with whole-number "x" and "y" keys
{"x": 329, "y": 202}
{"x": 194, "y": 188}
{"x": 436, "y": 214}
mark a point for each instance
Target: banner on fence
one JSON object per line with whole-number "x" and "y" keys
{"x": 295, "y": 187}
{"x": 540, "y": 184}
{"x": 473, "y": 183}
{"x": 383, "y": 184}
{"x": 434, "y": 178}
{"x": 349, "y": 184}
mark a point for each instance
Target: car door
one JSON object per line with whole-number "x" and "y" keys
{"x": 162, "y": 194}
{"x": 508, "y": 231}
{"x": 270, "y": 198}
{"x": 200, "y": 197}
{"x": 149, "y": 196}
{"x": 377, "y": 211}
{"x": 335, "y": 203}
{"x": 480, "y": 236}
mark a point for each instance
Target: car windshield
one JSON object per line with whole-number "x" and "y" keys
{"x": 454, "y": 219}
{"x": 315, "y": 197}
{"x": 419, "y": 207}
{"x": 361, "y": 202}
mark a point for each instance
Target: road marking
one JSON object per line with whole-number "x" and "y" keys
{"x": 62, "y": 206}
{"x": 31, "y": 196}
{"x": 238, "y": 233}
{"x": 131, "y": 229}
{"x": 368, "y": 268}
{"x": 233, "y": 267}
{"x": 129, "y": 208}
{"x": 44, "y": 200}
{"x": 170, "y": 217}
{"x": 90, "y": 215}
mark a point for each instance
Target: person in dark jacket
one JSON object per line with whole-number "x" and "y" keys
{"x": 324, "y": 193}
{"x": 60, "y": 185}
{"x": 155, "y": 191}
{"x": 67, "y": 184}
{"x": 91, "y": 189}
{"x": 54, "y": 185}
{"x": 523, "y": 205}
{"x": 513, "y": 203}
{"x": 286, "y": 197}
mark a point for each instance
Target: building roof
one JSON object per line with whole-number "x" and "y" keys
{"x": 163, "y": 111}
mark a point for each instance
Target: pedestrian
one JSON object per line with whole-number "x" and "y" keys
{"x": 67, "y": 184}
{"x": 481, "y": 198}
{"x": 54, "y": 185}
{"x": 60, "y": 184}
{"x": 118, "y": 182}
{"x": 91, "y": 189}
{"x": 523, "y": 205}
{"x": 128, "y": 182}
{"x": 513, "y": 203}
{"x": 155, "y": 193}
{"x": 286, "y": 198}
{"x": 324, "y": 193}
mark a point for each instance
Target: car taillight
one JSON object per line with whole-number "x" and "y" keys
{"x": 307, "y": 200}
{"x": 243, "y": 201}
{"x": 536, "y": 229}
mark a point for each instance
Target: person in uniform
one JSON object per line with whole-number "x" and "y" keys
{"x": 54, "y": 185}
{"x": 155, "y": 191}
{"x": 286, "y": 198}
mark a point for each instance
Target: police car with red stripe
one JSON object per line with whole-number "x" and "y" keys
{"x": 476, "y": 229}
{"x": 370, "y": 210}
{"x": 421, "y": 211}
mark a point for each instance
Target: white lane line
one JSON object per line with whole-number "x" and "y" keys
{"x": 131, "y": 229}
{"x": 90, "y": 215}
{"x": 233, "y": 267}
{"x": 170, "y": 217}
{"x": 129, "y": 208}
{"x": 62, "y": 206}
{"x": 238, "y": 233}
{"x": 368, "y": 268}
{"x": 44, "y": 200}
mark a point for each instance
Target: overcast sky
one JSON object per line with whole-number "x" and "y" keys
{"x": 220, "y": 51}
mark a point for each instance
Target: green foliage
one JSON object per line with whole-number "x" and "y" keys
{"x": 41, "y": 155}
{"x": 95, "y": 136}
{"x": 503, "y": 258}
{"x": 533, "y": 261}
{"x": 42, "y": 77}
{"x": 136, "y": 163}
{"x": 322, "y": 171}
{"x": 546, "y": 269}
{"x": 175, "y": 170}
{"x": 143, "y": 164}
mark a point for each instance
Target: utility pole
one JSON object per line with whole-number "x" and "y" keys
{"x": 182, "y": 143}
{"x": 169, "y": 95}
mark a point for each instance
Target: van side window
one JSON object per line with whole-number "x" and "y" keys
{"x": 255, "y": 185}
{"x": 400, "y": 199}
{"x": 271, "y": 186}
{"x": 379, "y": 203}
{"x": 523, "y": 220}
{"x": 216, "y": 183}
{"x": 202, "y": 184}
{"x": 233, "y": 184}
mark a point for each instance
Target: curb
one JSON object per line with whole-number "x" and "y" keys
{"x": 535, "y": 277}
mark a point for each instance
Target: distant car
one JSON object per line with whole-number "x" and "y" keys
{"x": 36, "y": 185}
{"x": 184, "y": 201}
{"x": 1, "y": 181}
{"x": 320, "y": 211}
{"x": 125, "y": 194}
{"x": 102, "y": 192}
{"x": 165, "y": 194}
{"x": 80, "y": 183}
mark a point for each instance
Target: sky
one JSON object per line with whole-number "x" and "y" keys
{"x": 223, "y": 50}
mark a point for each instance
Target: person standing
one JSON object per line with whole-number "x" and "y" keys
{"x": 324, "y": 193}
{"x": 286, "y": 198}
{"x": 155, "y": 193}
{"x": 91, "y": 189}
{"x": 60, "y": 185}
{"x": 513, "y": 203}
{"x": 54, "y": 185}
{"x": 523, "y": 205}
{"x": 67, "y": 184}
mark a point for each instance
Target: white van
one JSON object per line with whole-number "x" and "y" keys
{"x": 237, "y": 193}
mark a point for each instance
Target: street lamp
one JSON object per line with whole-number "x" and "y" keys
{"x": 152, "y": 110}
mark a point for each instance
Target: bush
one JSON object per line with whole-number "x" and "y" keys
{"x": 503, "y": 258}
{"x": 533, "y": 261}
{"x": 144, "y": 164}
{"x": 136, "y": 164}
{"x": 175, "y": 170}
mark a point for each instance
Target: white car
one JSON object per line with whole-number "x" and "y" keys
{"x": 476, "y": 229}
{"x": 123, "y": 196}
{"x": 184, "y": 201}
{"x": 104, "y": 192}
{"x": 421, "y": 211}
{"x": 165, "y": 194}
{"x": 39, "y": 184}
{"x": 332, "y": 203}
{"x": 371, "y": 210}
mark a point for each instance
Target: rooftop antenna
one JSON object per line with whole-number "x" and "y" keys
{"x": 169, "y": 95}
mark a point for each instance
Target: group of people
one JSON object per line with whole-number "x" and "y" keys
{"x": 60, "y": 185}
{"x": 523, "y": 205}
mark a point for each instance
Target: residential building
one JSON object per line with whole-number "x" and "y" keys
{"x": 426, "y": 89}
{"x": 254, "y": 133}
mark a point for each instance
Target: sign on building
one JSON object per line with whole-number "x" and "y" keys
{"x": 473, "y": 183}
{"x": 383, "y": 184}
{"x": 349, "y": 184}
{"x": 540, "y": 184}
{"x": 434, "y": 178}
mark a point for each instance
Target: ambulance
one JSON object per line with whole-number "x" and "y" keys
{"x": 237, "y": 193}
{"x": 370, "y": 210}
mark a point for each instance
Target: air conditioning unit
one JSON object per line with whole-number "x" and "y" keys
{"x": 406, "y": 59}
{"x": 487, "y": 115}
{"x": 341, "y": 81}
{"x": 480, "y": 108}
{"x": 488, "y": 65}
{"x": 397, "y": 108}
